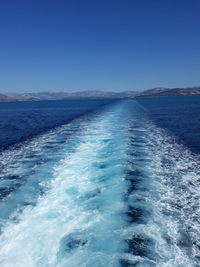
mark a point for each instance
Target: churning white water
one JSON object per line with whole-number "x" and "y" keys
{"x": 108, "y": 190}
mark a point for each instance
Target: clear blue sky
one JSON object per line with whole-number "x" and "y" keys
{"x": 107, "y": 45}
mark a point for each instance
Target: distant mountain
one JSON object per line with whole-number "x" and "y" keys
{"x": 155, "y": 92}
{"x": 17, "y": 97}
{"x": 171, "y": 92}
{"x": 83, "y": 94}
{"x": 65, "y": 95}
{"x": 4, "y": 97}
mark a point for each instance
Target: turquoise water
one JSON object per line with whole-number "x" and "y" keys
{"x": 111, "y": 188}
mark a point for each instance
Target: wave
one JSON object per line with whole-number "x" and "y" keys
{"x": 108, "y": 190}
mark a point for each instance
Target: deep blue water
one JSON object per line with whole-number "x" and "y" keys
{"x": 22, "y": 120}
{"x": 179, "y": 115}
{"x": 100, "y": 183}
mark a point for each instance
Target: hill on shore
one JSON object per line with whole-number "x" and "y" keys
{"x": 171, "y": 92}
{"x": 155, "y": 92}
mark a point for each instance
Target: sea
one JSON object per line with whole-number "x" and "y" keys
{"x": 100, "y": 183}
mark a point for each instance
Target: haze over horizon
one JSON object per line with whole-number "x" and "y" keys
{"x": 98, "y": 45}
{"x": 57, "y": 92}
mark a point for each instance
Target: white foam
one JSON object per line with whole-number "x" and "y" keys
{"x": 77, "y": 202}
{"x": 81, "y": 219}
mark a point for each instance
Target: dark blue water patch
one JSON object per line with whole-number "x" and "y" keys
{"x": 186, "y": 243}
{"x": 167, "y": 163}
{"x": 70, "y": 243}
{"x": 91, "y": 199}
{"x": 136, "y": 144}
{"x": 133, "y": 185}
{"x": 137, "y": 154}
{"x": 136, "y": 215}
{"x": 140, "y": 245}
{"x": 20, "y": 121}
{"x": 34, "y": 161}
{"x": 184, "y": 240}
{"x": 12, "y": 177}
{"x": 135, "y": 181}
{"x": 179, "y": 115}
{"x": 133, "y": 174}
{"x": 137, "y": 263}
{"x": 5, "y": 191}
{"x": 128, "y": 263}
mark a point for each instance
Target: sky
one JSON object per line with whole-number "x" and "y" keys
{"x": 109, "y": 45}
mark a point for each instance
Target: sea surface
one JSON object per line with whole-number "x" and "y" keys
{"x": 100, "y": 183}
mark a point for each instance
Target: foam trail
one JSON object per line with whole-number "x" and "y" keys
{"x": 120, "y": 192}
{"x": 163, "y": 197}
{"x": 79, "y": 218}
{"x": 26, "y": 172}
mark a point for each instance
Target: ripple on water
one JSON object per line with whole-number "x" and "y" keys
{"x": 117, "y": 194}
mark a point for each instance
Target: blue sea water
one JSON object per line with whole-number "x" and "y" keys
{"x": 104, "y": 183}
{"x": 22, "y": 120}
{"x": 179, "y": 115}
